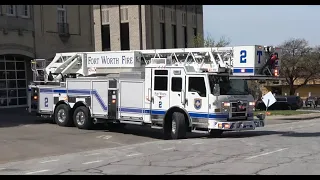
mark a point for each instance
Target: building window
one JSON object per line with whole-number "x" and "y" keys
{"x": 194, "y": 20}
{"x": 174, "y": 34}
{"x": 125, "y": 36}
{"x": 25, "y": 11}
{"x": 105, "y": 16}
{"x": 124, "y": 14}
{"x": 161, "y": 14}
{"x": 185, "y": 33}
{"x": 11, "y": 10}
{"x": 184, "y": 19}
{"x": 162, "y": 35}
{"x": 195, "y": 32}
{"x": 105, "y": 33}
{"x": 173, "y": 16}
{"x": 62, "y": 13}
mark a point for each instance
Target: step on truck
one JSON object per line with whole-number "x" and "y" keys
{"x": 176, "y": 90}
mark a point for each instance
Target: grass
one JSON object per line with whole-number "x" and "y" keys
{"x": 284, "y": 112}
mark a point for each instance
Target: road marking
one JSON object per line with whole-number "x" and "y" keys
{"x": 35, "y": 172}
{"x": 53, "y": 160}
{"x": 167, "y": 149}
{"x": 264, "y": 154}
{"x": 116, "y": 143}
{"x": 91, "y": 162}
{"x": 104, "y": 137}
{"x": 93, "y": 154}
{"x": 196, "y": 143}
{"x": 136, "y": 154}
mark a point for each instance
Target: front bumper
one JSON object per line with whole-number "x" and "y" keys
{"x": 236, "y": 125}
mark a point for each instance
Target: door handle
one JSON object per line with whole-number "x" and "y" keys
{"x": 193, "y": 93}
{"x": 178, "y": 94}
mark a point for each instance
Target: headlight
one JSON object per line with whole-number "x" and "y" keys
{"x": 252, "y": 103}
{"x": 225, "y": 106}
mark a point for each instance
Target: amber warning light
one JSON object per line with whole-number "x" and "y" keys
{"x": 35, "y": 97}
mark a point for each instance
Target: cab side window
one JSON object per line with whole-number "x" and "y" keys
{"x": 197, "y": 84}
{"x": 161, "y": 80}
{"x": 176, "y": 84}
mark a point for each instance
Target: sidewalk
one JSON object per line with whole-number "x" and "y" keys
{"x": 294, "y": 117}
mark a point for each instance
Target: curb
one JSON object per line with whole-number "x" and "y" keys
{"x": 293, "y": 118}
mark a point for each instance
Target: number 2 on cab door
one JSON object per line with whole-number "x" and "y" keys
{"x": 46, "y": 102}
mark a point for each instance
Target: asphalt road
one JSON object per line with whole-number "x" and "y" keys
{"x": 24, "y": 137}
{"x": 290, "y": 148}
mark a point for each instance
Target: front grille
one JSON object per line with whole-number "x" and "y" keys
{"x": 239, "y": 109}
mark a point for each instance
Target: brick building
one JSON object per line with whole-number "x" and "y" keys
{"x": 131, "y": 27}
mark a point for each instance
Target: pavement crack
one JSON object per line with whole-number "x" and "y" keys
{"x": 270, "y": 167}
{"x": 213, "y": 162}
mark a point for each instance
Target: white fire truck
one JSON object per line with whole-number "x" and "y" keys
{"x": 178, "y": 90}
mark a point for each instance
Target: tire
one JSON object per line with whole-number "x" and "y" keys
{"x": 62, "y": 116}
{"x": 82, "y": 118}
{"x": 215, "y": 133}
{"x": 189, "y": 129}
{"x": 177, "y": 128}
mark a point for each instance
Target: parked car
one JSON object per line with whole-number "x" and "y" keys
{"x": 283, "y": 103}
{"x": 312, "y": 101}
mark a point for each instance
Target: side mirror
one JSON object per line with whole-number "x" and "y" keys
{"x": 216, "y": 90}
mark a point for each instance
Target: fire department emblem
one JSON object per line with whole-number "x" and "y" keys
{"x": 197, "y": 103}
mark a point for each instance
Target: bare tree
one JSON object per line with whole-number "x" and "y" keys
{"x": 208, "y": 41}
{"x": 299, "y": 61}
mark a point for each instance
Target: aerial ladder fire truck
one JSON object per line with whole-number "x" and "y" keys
{"x": 176, "y": 90}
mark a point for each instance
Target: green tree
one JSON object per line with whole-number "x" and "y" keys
{"x": 299, "y": 61}
{"x": 209, "y": 41}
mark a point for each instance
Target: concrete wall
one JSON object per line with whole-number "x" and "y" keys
{"x": 47, "y": 39}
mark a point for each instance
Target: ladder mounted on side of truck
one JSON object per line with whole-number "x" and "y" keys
{"x": 217, "y": 59}
{"x": 251, "y": 62}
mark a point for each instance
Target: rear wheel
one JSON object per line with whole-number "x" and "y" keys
{"x": 62, "y": 115}
{"x": 82, "y": 118}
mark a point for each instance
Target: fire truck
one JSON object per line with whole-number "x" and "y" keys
{"x": 176, "y": 90}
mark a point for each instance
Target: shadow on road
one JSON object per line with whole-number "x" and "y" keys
{"x": 149, "y": 132}
{"x": 17, "y": 117}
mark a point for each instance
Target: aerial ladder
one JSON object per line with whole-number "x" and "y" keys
{"x": 251, "y": 62}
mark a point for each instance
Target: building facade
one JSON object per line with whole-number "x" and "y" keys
{"x": 133, "y": 27}
{"x": 37, "y": 31}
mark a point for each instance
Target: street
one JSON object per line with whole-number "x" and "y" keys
{"x": 278, "y": 148}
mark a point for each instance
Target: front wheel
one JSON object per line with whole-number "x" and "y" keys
{"x": 176, "y": 129}
{"x": 82, "y": 118}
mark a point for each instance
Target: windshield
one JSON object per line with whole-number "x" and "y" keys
{"x": 229, "y": 86}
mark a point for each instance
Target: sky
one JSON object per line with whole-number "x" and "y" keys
{"x": 262, "y": 25}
